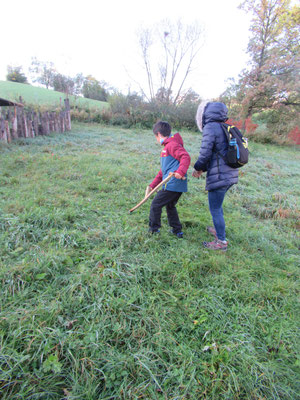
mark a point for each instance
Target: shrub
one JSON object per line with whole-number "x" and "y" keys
{"x": 106, "y": 116}
{"x": 294, "y": 135}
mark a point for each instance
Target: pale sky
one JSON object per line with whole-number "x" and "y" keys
{"x": 99, "y": 38}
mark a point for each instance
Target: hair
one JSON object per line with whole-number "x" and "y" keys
{"x": 163, "y": 127}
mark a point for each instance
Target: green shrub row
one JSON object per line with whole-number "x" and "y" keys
{"x": 142, "y": 115}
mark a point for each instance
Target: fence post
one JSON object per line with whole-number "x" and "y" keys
{"x": 35, "y": 124}
{"x": 8, "y": 135}
{"x": 19, "y": 122}
{"x": 62, "y": 122}
{"x": 14, "y": 123}
{"x": 25, "y": 127}
{"x": 2, "y": 130}
{"x": 43, "y": 124}
{"x": 29, "y": 125}
{"x": 56, "y": 122}
{"x": 68, "y": 115}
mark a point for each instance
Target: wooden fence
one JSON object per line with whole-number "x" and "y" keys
{"x": 18, "y": 123}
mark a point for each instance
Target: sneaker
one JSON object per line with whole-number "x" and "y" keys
{"x": 216, "y": 245}
{"x": 153, "y": 232}
{"x": 212, "y": 231}
{"x": 178, "y": 234}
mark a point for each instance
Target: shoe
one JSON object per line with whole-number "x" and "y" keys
{"x": 216, "y": 245}
{"x": 212, "y": 231}
{"x": 153, "y": 232}
{"x": 178, "y": 234}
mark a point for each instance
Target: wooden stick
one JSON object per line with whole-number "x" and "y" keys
{"x": 171, "y": 174}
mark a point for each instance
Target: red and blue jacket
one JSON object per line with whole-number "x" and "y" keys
{"x": 173, "y": 158}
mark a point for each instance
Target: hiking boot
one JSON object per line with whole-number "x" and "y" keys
{"x": 212, "y": 231}
{"x": 154, "y": 231}
{"x": 216, "y": 245}
{"x": 178, "y": 234}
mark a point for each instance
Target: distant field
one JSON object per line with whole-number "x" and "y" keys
{"x": 40, "y": 96}
{"x": 92, "y": 307}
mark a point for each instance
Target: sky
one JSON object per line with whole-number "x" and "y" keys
{"x": 100, "y": 38}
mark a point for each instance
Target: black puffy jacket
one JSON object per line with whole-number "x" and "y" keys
{"x": 219, "y": 175}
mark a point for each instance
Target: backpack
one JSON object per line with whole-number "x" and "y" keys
{"x": 238, "y": 153}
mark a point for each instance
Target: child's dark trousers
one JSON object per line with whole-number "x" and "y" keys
{"x": 168, "y": 199}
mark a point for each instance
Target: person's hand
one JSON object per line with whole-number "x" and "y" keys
{"x": 178, "y": 176}
{"x": 197, "y": 174}
{"x": 148, "y": 190}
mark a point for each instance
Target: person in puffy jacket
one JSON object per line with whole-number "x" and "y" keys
{"x": 174, "y": 158}
{"x": 219, "y": 176}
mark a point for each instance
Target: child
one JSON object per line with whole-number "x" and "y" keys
{"x": 174, "y": 158}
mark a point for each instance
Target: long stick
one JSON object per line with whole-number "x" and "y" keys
{"x": 152, "y": 191}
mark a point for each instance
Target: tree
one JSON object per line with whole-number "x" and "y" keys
{"x": 63, "y": 83}
{"x": 271, "y": 80}
{"x": 43, "y": 72}
{"x": 168, "y": 52}
{"x": 15, "y": 74}
{"x": 93, "y": 89}
{"x": 233, "y": 98}
{"x": 78, "y": 84}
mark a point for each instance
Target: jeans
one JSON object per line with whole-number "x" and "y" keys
{"x": 215, "y": 201}
{"x": 168, "y": 199}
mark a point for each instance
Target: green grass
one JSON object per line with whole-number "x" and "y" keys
{"x": 34, "y": 95}
{"x": 94, "y": 308}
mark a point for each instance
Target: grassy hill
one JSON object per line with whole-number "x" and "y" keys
{"x": 40, "y": 96}
{"x": 92, "y": 307}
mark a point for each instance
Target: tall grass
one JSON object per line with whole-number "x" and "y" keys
{"x": 94, "y": 308}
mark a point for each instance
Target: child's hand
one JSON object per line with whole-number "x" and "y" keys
{"x": 178, "y": 176}
{"x": 148, "y": 190}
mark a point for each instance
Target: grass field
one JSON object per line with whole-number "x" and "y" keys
{"x": 34, "y": 95}
{"x": 92, "y": 307}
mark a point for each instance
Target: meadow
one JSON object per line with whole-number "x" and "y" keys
{"x": 39, "y": 96}
{"x": 93, "y": 307}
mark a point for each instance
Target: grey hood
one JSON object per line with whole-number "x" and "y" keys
{"x": 199, "y": 115}
{"x": 210, "y": 112}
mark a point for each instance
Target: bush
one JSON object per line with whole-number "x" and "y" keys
{"x": 131, "y": 110}
{"x": 279, "y": 122}
{"x": 294, "y": 135}
{"x": 264, "y": 134}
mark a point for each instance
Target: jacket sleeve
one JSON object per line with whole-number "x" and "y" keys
{"x": 156, "y": 180}
{"x": 206, "y": 150}
{"x": 180, "y": 154}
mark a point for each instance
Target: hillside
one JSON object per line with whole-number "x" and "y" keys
{"x": 40, "y": 96}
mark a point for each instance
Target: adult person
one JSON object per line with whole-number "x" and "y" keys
{"x": 220, "y": 177}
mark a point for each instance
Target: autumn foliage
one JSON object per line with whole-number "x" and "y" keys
{"x": 269, "y": 87}
{"x": 249, "y": 125}
{"x": 294, "y": 135}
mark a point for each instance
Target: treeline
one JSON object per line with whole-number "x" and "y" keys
{"x": 128, "y": 110}
{"x": 46, "y": 74}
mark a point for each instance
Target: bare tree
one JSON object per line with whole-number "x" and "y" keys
{"x": 169, "y": 51}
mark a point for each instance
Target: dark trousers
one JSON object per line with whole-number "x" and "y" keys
{"x": 168, "y": 199}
